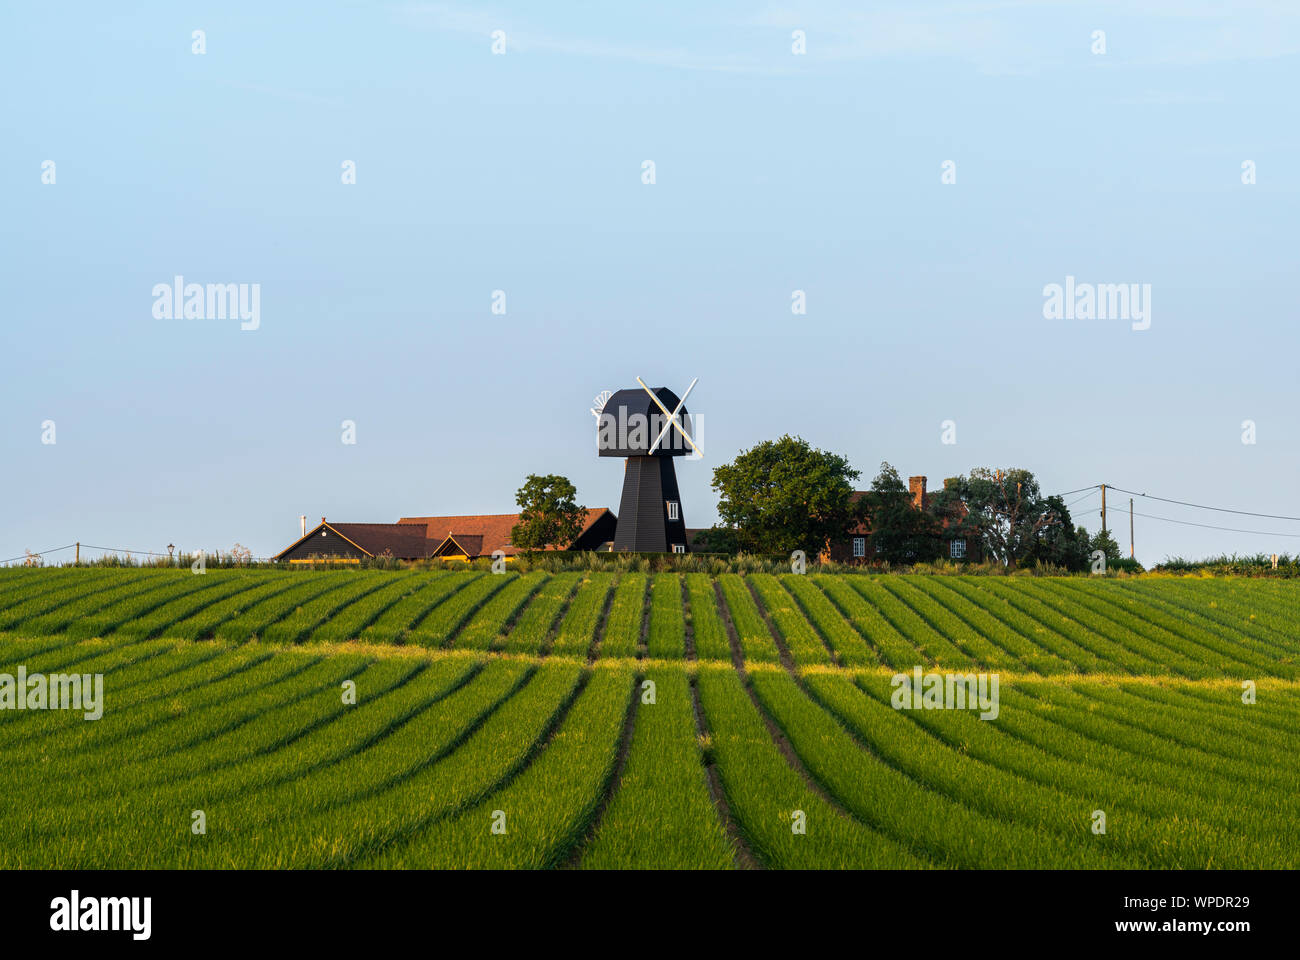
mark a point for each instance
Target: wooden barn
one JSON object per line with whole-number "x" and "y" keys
{"x": 419, "y": 538}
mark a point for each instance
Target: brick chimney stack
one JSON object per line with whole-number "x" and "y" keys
{"x": 916, "y": 486}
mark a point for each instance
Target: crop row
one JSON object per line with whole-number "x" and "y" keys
{"x": 756, "y": 641}
{"x": 485, "y": 631}
{"x": 798, "y": 635}
{"x": 537, "y": 818}
{"x": 1191, "y": 628}
{"x": 1160, "y": 813}
{"x": 662, "y": 815}
{"x": 404, "y": 714}
{"x": 462, "y": 759}
{"x": 577, "y": 631}
{"x": 622, "y": 636}
{"x": 666, "y": 636}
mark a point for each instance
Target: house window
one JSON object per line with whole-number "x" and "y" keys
{"x": 957, "y": 549}
{"x": 859, "y": 546}
{"x": 672, "y": 510}
{"x": 679, "y": 548}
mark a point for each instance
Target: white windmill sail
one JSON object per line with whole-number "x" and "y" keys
{"x": 672, "y": 417}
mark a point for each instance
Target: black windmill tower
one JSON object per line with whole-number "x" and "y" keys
{"x": 648, "y": 428}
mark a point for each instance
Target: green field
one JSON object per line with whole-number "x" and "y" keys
{"x": 506, "y": 721}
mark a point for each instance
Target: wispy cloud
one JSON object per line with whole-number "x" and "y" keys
{"x": 994, "y": 36}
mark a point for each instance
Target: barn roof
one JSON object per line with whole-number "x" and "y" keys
{"x": 378, "y": 538}
{"x": 469, "y": 544}
{"x": 374, "y": 539}
{"x": 415, "y": 538}
{"x": 480, "y": 534}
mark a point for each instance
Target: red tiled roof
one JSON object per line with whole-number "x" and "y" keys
{"x": 480, "y": 534}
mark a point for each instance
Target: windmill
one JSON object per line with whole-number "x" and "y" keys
{"x": 648, "y": 428}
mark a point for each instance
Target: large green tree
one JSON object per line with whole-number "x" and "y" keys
{"x": 1006, "y": 510}
{"x": 1061, "y": 542}
{"x": 784, "y": 495}
{"x": 900, "y": 531}
{"x": 548, "y": 514}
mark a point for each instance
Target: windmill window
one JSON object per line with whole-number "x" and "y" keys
{"x": 957, "y": 549}
{"x": 679, "y": 548}
{"x": 859, "y": 546}
{"x": 322, "y": 533}
{"x": 672, "y": 510}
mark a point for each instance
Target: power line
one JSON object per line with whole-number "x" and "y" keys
{"x": 1092, "y": 490}
{"x": 1086, "y": 496}
{"x": 124, "y": 550}
{"x": 1201, "y": 506}
{"x": 1095, "y": 486}
{"x": 150, "y": 553}
{"x": 1196, "y": 506}
{"x": 38, "y": 553}
{"x": 1210, "y": 526}
{"x": 145, "y": 553}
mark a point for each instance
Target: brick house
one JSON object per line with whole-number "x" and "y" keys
{"x": 855, "y": 546}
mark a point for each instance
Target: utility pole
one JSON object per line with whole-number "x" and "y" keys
{"x": 1130, "y": 528}
{"x": 77, "y": 562}
{"x": 1103, "y": 508}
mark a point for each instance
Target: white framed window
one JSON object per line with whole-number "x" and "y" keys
{"x": 859, "y": 546}
{"x": 679, "y": 548}
{"x": 957, "y": 549}
{"x": 673, "y": 510}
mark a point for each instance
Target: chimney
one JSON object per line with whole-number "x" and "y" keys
{"x": 916, "y": 486}
{"x": 302, "y": 519}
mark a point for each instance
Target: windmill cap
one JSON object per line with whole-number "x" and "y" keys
{"x": 630, "y": 422}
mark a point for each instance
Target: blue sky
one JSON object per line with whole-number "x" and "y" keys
{"x": 522, "y": 172}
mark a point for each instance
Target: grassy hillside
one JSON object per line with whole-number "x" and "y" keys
{"x": 648, "y": 721}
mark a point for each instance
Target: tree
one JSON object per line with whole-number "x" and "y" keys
{"x": 784, "y": 495}
{"x": 1061, "y": 543}
{"x": 1103, "y": 541}
{"x": 548, "y": 515}
{"x": 716, "y": 539}
{"x": 1007, "y": 511}
{"x": 900, "y": 531}
{"x": 948, "y": 508}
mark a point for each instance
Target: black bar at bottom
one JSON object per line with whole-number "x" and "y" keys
{"x": 930, "y": 909}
